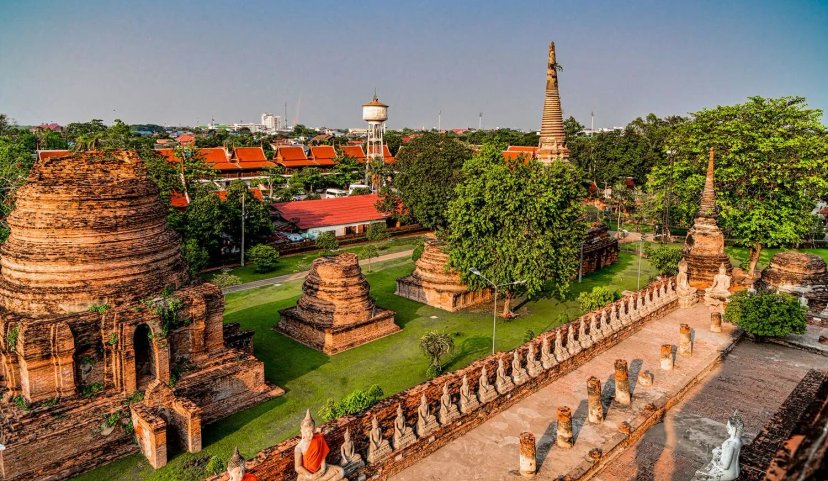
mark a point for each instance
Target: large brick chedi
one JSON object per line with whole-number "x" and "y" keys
{"x": 434, "y": 283}
{"x": 335, "y": 311}
{"x": 103, "y": 338}
{"x": 802, "y": 275}
{"x": 704, "y": 245}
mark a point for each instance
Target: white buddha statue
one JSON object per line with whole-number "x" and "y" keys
{"x": 719, "y": 292}
{"x": 310, "y": 454}
{"x": 725, "y": 463}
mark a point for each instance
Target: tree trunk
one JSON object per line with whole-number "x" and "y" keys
{"x": 754, "y": 258}
{"x": 507, "y": 306}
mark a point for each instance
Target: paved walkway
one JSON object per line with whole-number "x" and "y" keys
{"x": 301, "y": 275}
{"x": 490, "y": 451}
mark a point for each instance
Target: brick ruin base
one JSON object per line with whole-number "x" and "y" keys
{"x": 435, "y": 284}
{"x": 335, "y": 311}
{"x": 601, "y": 328}
{"x": 600, "y": 249}
{"x": 802, "y": 275}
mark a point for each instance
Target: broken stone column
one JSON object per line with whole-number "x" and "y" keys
{"x": 716, "y": 321}
{"x": 528, "y": 459}
{"x": 685, "y": 341}
{"x": 596, "y": 409}
{"x": 564, "y": 439}
{"x": 666, "y": 357}
{"x": 645, "y": 378}
{"x": 622, "y": 383}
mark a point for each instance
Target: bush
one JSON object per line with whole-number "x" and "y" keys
{"x": 353, "y": 403}
{"x": 766, "y": 314}
{"x": 264, "y": 257}
{"x": 418, "y": 251}
{"x": 327, "y": 242}
{"x": 664, "y": 258}
{"x": 598, "y": 297}
{"x": 361, "y": 191}
{"x": 377, "y": 231}
{"x": 195, "y": 256}
{"x": 215, "y": 466}
{"x": 225, "y": 279}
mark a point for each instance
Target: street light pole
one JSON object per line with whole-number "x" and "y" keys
{"x": 494, "y": 310}
{"x": 242, "y": 228}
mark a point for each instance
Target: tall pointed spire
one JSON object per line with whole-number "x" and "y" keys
{"x": 708, "y": 199}
{"x": 552, "y": 145}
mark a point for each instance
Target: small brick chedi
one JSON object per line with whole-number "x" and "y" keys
{"x": 434, "y": 283}
{"x": 801, "y": 275}
{"x": 103, "y": 339}
{"x": 336, "y": 312}
{"x": 704, "y": 245}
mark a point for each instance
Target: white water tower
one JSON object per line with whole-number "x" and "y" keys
{"x": 375, "y": 113}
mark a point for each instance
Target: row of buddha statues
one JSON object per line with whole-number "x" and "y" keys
{"x": 311, "y": 451}
{"x": 716, "y": 295}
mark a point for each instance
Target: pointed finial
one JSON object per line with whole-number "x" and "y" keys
{"x": 710, "y": 165}
{"x": 308, "y": 421}
{"x": 236, "y": 461}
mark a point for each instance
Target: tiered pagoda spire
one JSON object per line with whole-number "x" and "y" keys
{"x": 708, "y": 198}
{"x": 552, "y": 145}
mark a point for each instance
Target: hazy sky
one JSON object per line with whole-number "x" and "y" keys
{"x": 182, "y": 62}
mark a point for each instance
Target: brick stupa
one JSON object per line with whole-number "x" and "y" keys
{"x": 437, "y": 285}
{"x": 89, "y": 363}
{"x": 552, "y": 143}
{"x": 799, "y": 274}
{"x": 704, "y": 245}
{"x": 335, "y": 311}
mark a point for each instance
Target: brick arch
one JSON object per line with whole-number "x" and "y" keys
{"x": 159, "y": 350}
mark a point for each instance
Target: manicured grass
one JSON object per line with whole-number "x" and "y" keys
{"x": 302, "y": 261}
{"x": 739, "y": 255}
{"x": 395, "y": 362}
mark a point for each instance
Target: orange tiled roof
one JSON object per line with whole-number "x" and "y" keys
{"x": 323, "y": 155}
{"x": 291, "y": 152}
{"x": 252, "y": 158}
{"x": 213, "y": 155}
{"x": 516, "y": 154}
{"x": 48, "y": 154}
{"x": 178, "y": 200}
{"x": 353, "y": 151}
{"x": 308, "y": 214}
{"x": 256, "y": 193}
{"x": 168, "y": 154}
{"x": 522, "y": 148}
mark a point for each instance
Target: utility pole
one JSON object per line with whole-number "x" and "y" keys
{"x": 480, "y": 122}
{"x": 439, "y": 121}
{"x": 244, "y": 194}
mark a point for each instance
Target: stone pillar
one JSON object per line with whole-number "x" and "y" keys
{"x": 622, "y": 383}
{"x": 564, "y": 439}
{"x": 685, "y": 341}
{"x": 645, "y": 378}
{"x": 596, "y": 410}
{"x": 666, "y": 357}
{"x": 528, "y": 459}
{"x": 716, "y": 321}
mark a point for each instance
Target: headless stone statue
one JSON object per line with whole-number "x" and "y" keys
{"x": 533, "y": 366}
{"x": 378, "y": 447}
{"x": 572, "y": 345}
{"x": 502, "y": 382}
{"x": 310, "y": 453}
{"x": 561, "y": 354}
{"x": 448, "y": 412}
{"x": 468, "y": 400}
{"x": 547, "y": 358}
{"x": 719, "y": 292}
{"x": 426, "y": 422}
{"x": 236, "y": 470}
{"x": 583, "y": 338}
{"x": 615, "y": 318}
{"x": 350, "y": 461}
{"x": 485, "y": 391}
{"x": 686, "y": 293}
{"x": 519, "y": 374}
{"x": 403, "y": 434}
{"x": 725, "y": 463}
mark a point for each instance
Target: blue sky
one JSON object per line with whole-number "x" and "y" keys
{"x": 179, "y": 62}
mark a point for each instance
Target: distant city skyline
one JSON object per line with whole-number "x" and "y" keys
{"x": 186, "y": 63}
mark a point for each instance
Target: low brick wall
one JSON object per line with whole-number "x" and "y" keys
{"x": 588, "y": 335}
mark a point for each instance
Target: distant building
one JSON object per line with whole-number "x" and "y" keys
{"x": 271, "y": 123}
{"x": 341, "y": 215}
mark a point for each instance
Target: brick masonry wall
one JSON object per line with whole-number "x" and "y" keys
{"x": 652, "y": 302}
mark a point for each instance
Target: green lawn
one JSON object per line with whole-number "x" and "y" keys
{"x": 394, "y": 362}
{"x": 302, "y": 261}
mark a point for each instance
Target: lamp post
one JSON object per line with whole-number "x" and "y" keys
{"x": 494, "y": 310}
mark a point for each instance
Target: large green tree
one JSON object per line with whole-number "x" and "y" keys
{"x": 426, "y": 173}
{"x": 516, "y": 221}
{"x": 771, "y": 167}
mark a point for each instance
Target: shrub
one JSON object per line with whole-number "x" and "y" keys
{"x": 11, "y": 338}
{"x": 361, "y": 191}
{"x": 225, "y": 279}
{"x": 99, "y": 308}
{"x": 418, "y": 251}
{"x": 528, "y": 335}
{"x": 264, "y": 257}
{"x": 353, "y": 403}
{"x": 195, "y": 256}
{"x": 377, "y": 231}
{"x": 435, "y": 345}
{"x": 327, "y": 242}
{"x": 766, "y": 314}
{"x": 215, "y": 466}
{"x": 664, "y": 258}
{"x": 369, "y": 252}
{"x": 599, "y": 296}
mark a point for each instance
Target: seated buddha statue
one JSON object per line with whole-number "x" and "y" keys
{"x": 310, "y": 453}
{"x": 350, "y": 459}
{"x": 448, "y": 411}
{"x": 485, "y": 391}
{"x": 236, "y": 470}
{"x": 468, "y": 400}
{"x": 719, "y": 292}
{"x": 725, "y": 463}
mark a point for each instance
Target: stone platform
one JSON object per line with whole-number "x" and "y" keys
{"x": 490, "y": 451}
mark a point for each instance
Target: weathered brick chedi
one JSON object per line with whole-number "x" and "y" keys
{"x": 704, "y": 245}
{"x": 801, "y": 275}
{"x": 95, "y": 309}
{"x": 336, "y": 312}
{"x": 434, "y": 283}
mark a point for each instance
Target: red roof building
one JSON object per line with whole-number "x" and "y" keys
{"x": 516, "y": 151}
{"x": 354, "y": 152}
{"x": 343, "y": 215}
{"x": 48, "y": 154}
{"x": 186, "y": 139}
{"x": 292, "y": 157}
{"x": 323, "y": 155}
{"x": 252, "y": 158}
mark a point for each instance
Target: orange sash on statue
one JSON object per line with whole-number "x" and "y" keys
{"x": 316, "y": 453}
{"x": 249, "y": 477}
